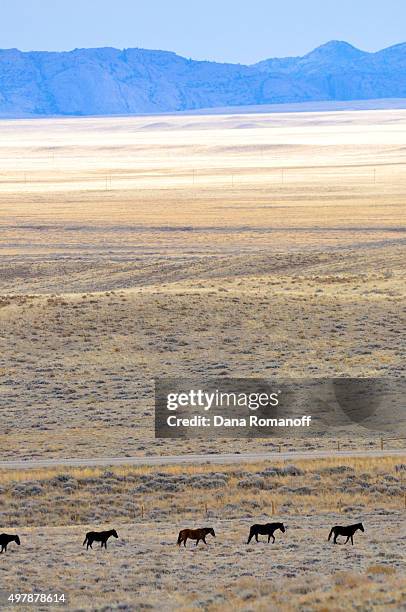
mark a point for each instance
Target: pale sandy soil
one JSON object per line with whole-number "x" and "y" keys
{"x": 144, "y": 569}
{"x": 267, "y": 245}
{"x": 134, "y": 248}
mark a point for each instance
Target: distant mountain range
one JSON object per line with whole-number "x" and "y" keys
{"x": 109, "y": 81}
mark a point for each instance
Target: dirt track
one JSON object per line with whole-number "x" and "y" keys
{"x": 196, "y": 459}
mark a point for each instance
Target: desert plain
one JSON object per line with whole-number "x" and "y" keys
{"x": 131, "y": 248}
{"x": 144, "y": 569}
{"x": 137, "y": 248}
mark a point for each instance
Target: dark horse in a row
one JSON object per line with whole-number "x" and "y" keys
{"x": 5, "y": 539}
{"x": 267, "y": 529}
{"x": 99, "y": 536}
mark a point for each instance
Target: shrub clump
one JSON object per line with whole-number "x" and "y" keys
{"x": 338, "y": 469}
{"x": 27, "y": 489}
{"x": 254, "y": 482}
{"x": 172, "y": 483}
{"x": 289, "y": 470}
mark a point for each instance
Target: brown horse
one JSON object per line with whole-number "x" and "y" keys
{"x": 195, "y": 534}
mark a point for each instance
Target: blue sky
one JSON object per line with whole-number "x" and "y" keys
{"x": 222, "y": 30}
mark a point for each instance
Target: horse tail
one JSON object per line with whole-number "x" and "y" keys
{"x": 179, "y": 538}
{"x": 330, "y": 534}
{"x": 84, "y": 541}
{"x": 252, "y": 531}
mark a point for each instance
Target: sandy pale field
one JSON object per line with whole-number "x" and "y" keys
{"x": 241, "y": 245}
{"x": 145, "y": 570}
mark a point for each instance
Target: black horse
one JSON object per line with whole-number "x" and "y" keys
{"x": 347, "y": 531}
{"x": 6, "y": 538}
{"x": 99, "y": 536}
{"x": 267, "y": 529}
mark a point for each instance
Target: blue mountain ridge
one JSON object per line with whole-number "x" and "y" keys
{"x": 108, "y": 81}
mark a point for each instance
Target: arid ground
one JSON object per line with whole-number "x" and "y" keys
{"x": 144, "y": 569}
{"x": 245, "y": 246}
{"x": 133, "y": 248}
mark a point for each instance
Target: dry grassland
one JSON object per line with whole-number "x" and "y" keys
{"x": 86, "y": 495}
{"x": 132, "y": 248}
{"x": 144, "y": 569}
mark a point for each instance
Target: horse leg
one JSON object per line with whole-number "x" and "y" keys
{"x": 197, "y": 541}
{"x": 249, "y": 537}
{"x": 273, "y": 541}
{"x": 204, "y": 540}
{"x": 348, "y": 537}
{"x": 184, "y": 541}
{"x": 256, "y": 537}
{"x": 352, "y": 541}
{"x": 335, "y": 537}
{"x": 269, "y": 537}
